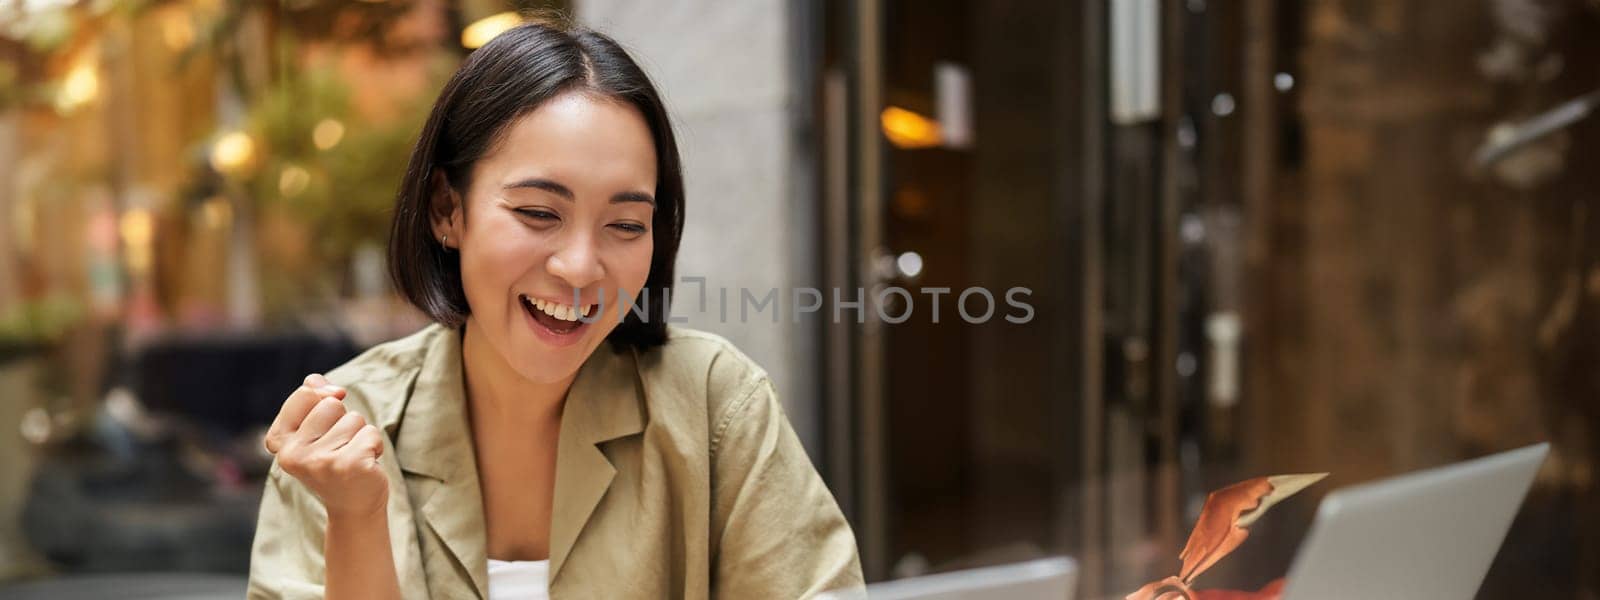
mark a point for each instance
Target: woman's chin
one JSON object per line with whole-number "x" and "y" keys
{"x": 547, "y": 363}
{"x": 555, "y": 353}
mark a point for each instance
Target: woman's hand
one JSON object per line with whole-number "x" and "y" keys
{"x": 329, "y": 449}
{"x": 335, "y": 453}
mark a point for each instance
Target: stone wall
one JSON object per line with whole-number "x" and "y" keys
{"x": 726, "y": 72}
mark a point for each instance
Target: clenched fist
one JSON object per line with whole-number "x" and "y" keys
{"x": 330, "y": 450}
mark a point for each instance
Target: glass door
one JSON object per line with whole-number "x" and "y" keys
{"x": 963, "y": 168}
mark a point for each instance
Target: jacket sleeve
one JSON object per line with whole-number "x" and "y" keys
{"x": 776, "y": 530}
{"x": 286, "y": 558}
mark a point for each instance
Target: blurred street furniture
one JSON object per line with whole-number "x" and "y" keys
{"x": 166, "y": 476}
{"x": 17, "y": 392}
{"x": 163, "y": 586}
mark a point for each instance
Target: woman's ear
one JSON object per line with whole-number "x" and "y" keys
{"x": 444, "y": 210}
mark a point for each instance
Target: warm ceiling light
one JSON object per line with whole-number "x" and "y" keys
{"x": 481, "y": 31}
{"x": 907, "y": 129}
{"x": 80, "y": 87}
{"x": 233, "y": 152}
{"x": 327, "y": 133}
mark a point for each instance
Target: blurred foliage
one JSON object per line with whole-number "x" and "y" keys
{"x": 345, "y": 192}
{"x": 32, "y": 31}
{"x": 37, "y": 322}
{"x": 11, "y": 89}
{"x": 288, "y": 23}
{"x": 312, "y": 206}
{"x": 368, "y": 23}
{"x": 339, "y": 196}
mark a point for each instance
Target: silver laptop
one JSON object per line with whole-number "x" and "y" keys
{"x": 1042, "y": 579}
{"x": 1430, "y": 534}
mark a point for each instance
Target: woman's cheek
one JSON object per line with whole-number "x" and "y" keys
{"x": 629, "y": 271}
{"x": 488, "y": 271}
{"x": 639, "y": 266}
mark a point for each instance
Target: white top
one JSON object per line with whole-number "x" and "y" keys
{"x": 519, "y": 579}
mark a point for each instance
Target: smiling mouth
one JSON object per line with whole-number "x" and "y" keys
{"x": 559, "y": 318}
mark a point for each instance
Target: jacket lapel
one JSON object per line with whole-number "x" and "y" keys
{"x": 436, "y": 454}
{"x": 435, "y": 451}
{"x": 604, "y": 404}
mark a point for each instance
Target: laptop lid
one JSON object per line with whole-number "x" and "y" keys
{"x": 1430, "y": 534}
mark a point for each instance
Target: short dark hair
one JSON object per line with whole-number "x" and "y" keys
{"x": 509, "y": 77}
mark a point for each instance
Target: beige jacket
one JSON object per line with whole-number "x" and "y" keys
{"x": 677, "y": 476}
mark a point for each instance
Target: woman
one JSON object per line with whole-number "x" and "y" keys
{"x": 502, "y": 452}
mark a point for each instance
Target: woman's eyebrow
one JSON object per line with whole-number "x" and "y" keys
{"x": 633, "y": 197}
{"x": 556, "y": 188}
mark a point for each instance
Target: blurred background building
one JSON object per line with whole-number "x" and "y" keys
{"x": 1260, "y": 237}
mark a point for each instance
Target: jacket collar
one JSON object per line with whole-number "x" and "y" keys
{"x": 435, "y": 451}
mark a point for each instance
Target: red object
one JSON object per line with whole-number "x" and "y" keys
{"x": 1173, "y": 588}
{"x": 1217, "y": 533}
{"x": 1220, "y": 529}
{"x": 1271, "y": 591}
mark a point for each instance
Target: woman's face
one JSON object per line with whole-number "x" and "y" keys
{"x": 564, "y": 203}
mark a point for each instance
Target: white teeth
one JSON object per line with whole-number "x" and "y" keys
{"x": 555, "y": 310}
{"x": 559, "y": 311}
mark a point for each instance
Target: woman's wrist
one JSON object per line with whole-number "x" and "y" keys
{"x": 359, "y": 563}
{"x": 377, "y": 510}
{"x": 357, "y": 525}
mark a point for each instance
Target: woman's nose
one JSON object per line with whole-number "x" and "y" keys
{"x": 577, "y": 263}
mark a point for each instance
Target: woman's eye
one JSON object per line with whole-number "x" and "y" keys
{"x": 630, "y": 227}
{"x": 541, "y": 215}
